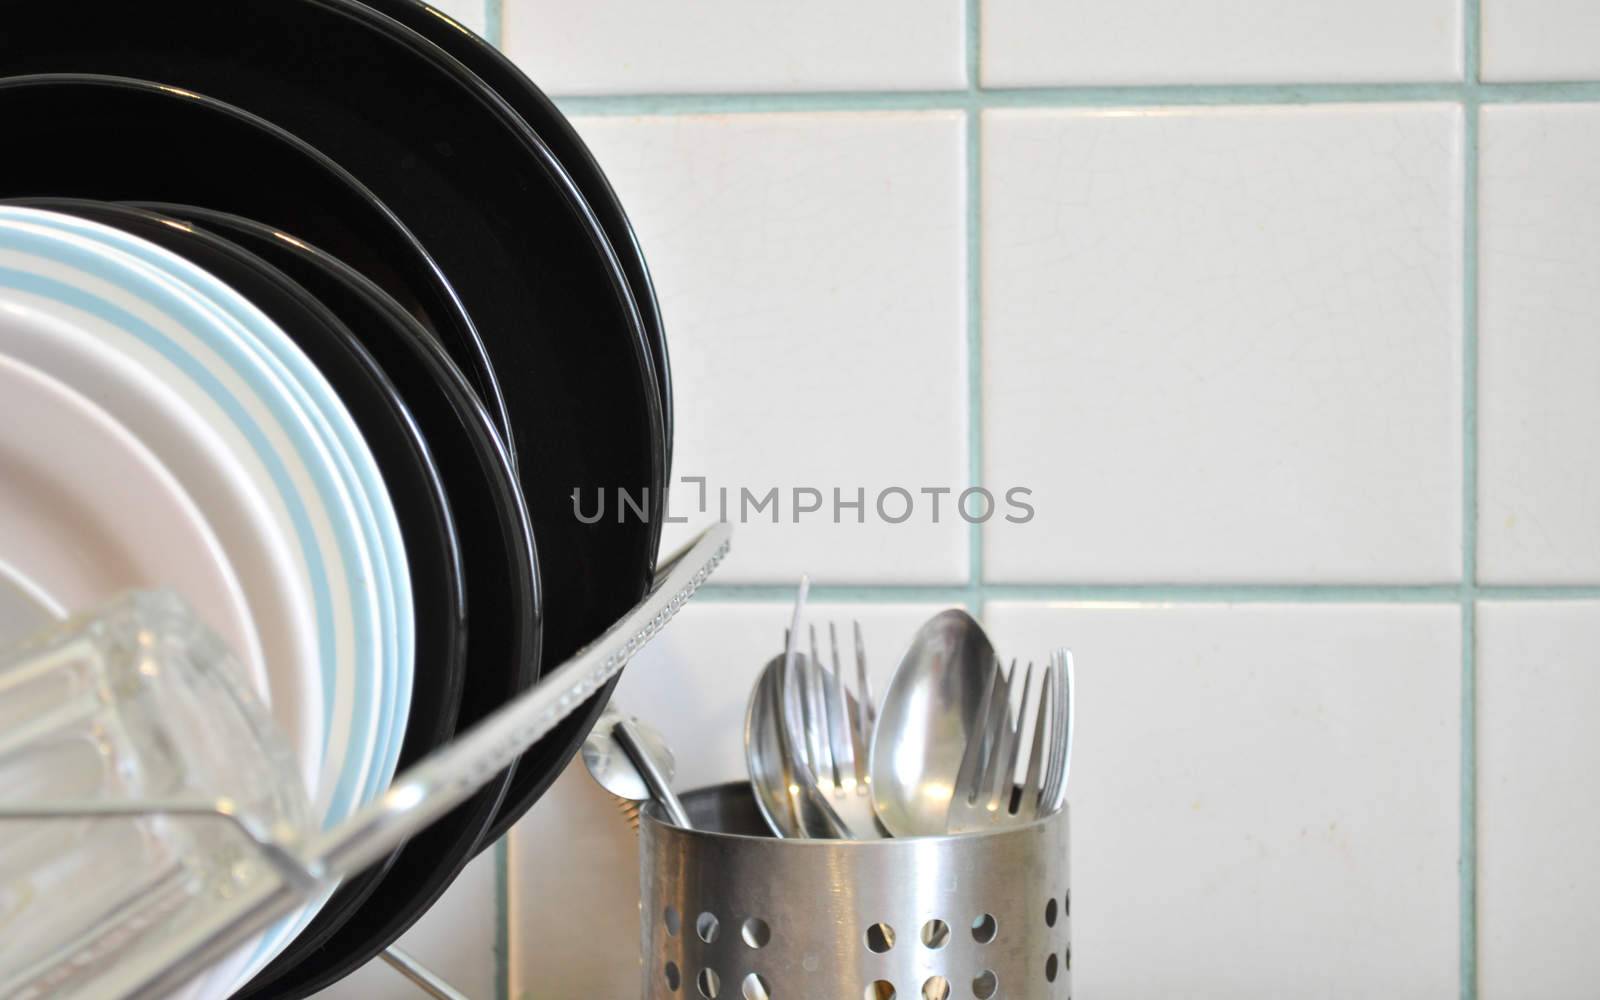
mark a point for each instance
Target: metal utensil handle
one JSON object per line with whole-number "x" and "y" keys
{"x": 660, "y": 788}
{"x": 435, "y": 785}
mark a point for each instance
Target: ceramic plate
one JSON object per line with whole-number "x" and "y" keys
{"x": 195, "y": 149}
{"x": 368, "y": 419}
{"x": 502, "y": 589}
{"x": 165, "y": 326}
{"x": 87, "y": 511}
{"x": 208, "y": 359}
{"x": 485, "y": 62}
{"x": 154, "y": 243}
{"x": 47, "y": 332}
{"x": 479, "y": 190}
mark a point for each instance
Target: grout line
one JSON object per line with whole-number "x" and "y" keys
{"x": 1473, "y": 91}
{"x": 974, "y": 264}
{"x": 1574, "y": 592}
{"x": 502, "y": 915}
{"x": 1078, "y": 97}
{"x": 1469, "y": 802}
{"x": 749, "y": 593}
{"x": 1446, "y": 593}
{"x": 494, "y": 22}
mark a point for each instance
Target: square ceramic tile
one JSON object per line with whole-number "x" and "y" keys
{"x": 1265, "y": 798}
{"x": 1538, "y": 357}
{"x": 1540, "y": 40}
{"x": 1040, "y": 42}
{"x": 471, "y": 13}
{"x": 575, "y": 870}
{"x": 670, "y": 46}
{"x": 1224, "y": 344}
{"x": 574, "y": 895}
{"x": 811, "y": 271}
{"x": 1538, "y": 802}
{"x": 456, "y": 939}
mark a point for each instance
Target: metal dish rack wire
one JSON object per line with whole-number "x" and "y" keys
{"x": 107, "y": 968}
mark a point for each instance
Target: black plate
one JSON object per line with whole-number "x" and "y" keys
{"x": 409, "y": 470}
{"x": 420, "y": 488}
{"x": 483, "y": 194}
{"x": 502, "y": 588}
{"x": 195, "y": 150}
{"x": 526, "y": 99}
{"x": 184, "y": 147}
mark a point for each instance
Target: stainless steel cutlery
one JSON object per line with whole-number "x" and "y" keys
{"x": 956, "y": 746}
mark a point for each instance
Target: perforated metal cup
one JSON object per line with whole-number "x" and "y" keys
{"x": 731, "y": 913}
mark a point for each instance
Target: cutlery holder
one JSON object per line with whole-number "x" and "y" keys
{"x": 730, "y": 912}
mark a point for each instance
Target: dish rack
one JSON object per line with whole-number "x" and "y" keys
{"x": 728, "y": 911}
{"x": 416, "y": 798}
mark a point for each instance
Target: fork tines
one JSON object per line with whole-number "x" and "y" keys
{"x": 986, "y": 793}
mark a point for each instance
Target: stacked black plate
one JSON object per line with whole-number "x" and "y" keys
{"x": 411, "y": 209}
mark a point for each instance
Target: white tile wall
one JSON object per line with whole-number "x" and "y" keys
{"x": 812, "y": 268}
{"x": 1265, "y": 799}
{"x": 1029, "y": 43}
{"x": 1295, "y": 350}
{"x": 1538, "y": 801}
{"x": 679, "y": 46}
{"x": 1238, "y": 332}
{"x": 1541, "y": 40}
{"x": 1539, "y": 224}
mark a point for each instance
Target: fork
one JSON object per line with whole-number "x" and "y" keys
{"x": 800, "y": 742}
{"x": 986, "y": 795}
{"x": 844, "y": 721}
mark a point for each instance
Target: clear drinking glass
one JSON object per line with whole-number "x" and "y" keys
{"x": 137, "y": 702}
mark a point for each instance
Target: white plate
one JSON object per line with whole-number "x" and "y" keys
{"x": 87, "y": 511}
{"x": 51, "y": 336}
{"x": 357, "y": 467}
{"x": 359, "y": 473}
{"x": 163, "y": 324}
{"x": 166, "y": 328}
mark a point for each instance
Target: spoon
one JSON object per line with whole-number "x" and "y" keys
{"x": 933, "y": 706}
{"x": 631, "y": 761}
{"x": 788, "y": 813}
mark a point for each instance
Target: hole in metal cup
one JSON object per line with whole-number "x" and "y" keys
{"x": 673, "y": 979}
{"x": 1050, "y": 969}
{"x": 708, "y": 927}
{"x": 984, "y": 928}
{"x": 985, "y": 984}
{"x": 880, "y": 989}
{"x": 880, "y": 938}
{"x": 936, "y": 988}
{"x": 935, "y": 934}
{"x": 1050, "y": 913}
{"x": 756, "y": 933}
{"x": 755, "y": 988}
{"x": 711, "y": 984}
{"x": 670, "y": 918}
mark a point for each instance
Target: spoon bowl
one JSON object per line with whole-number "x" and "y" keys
{"x": 630, "y": 760}
{"x": 934, "y": 705}
{"x": 788, "y": 812}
